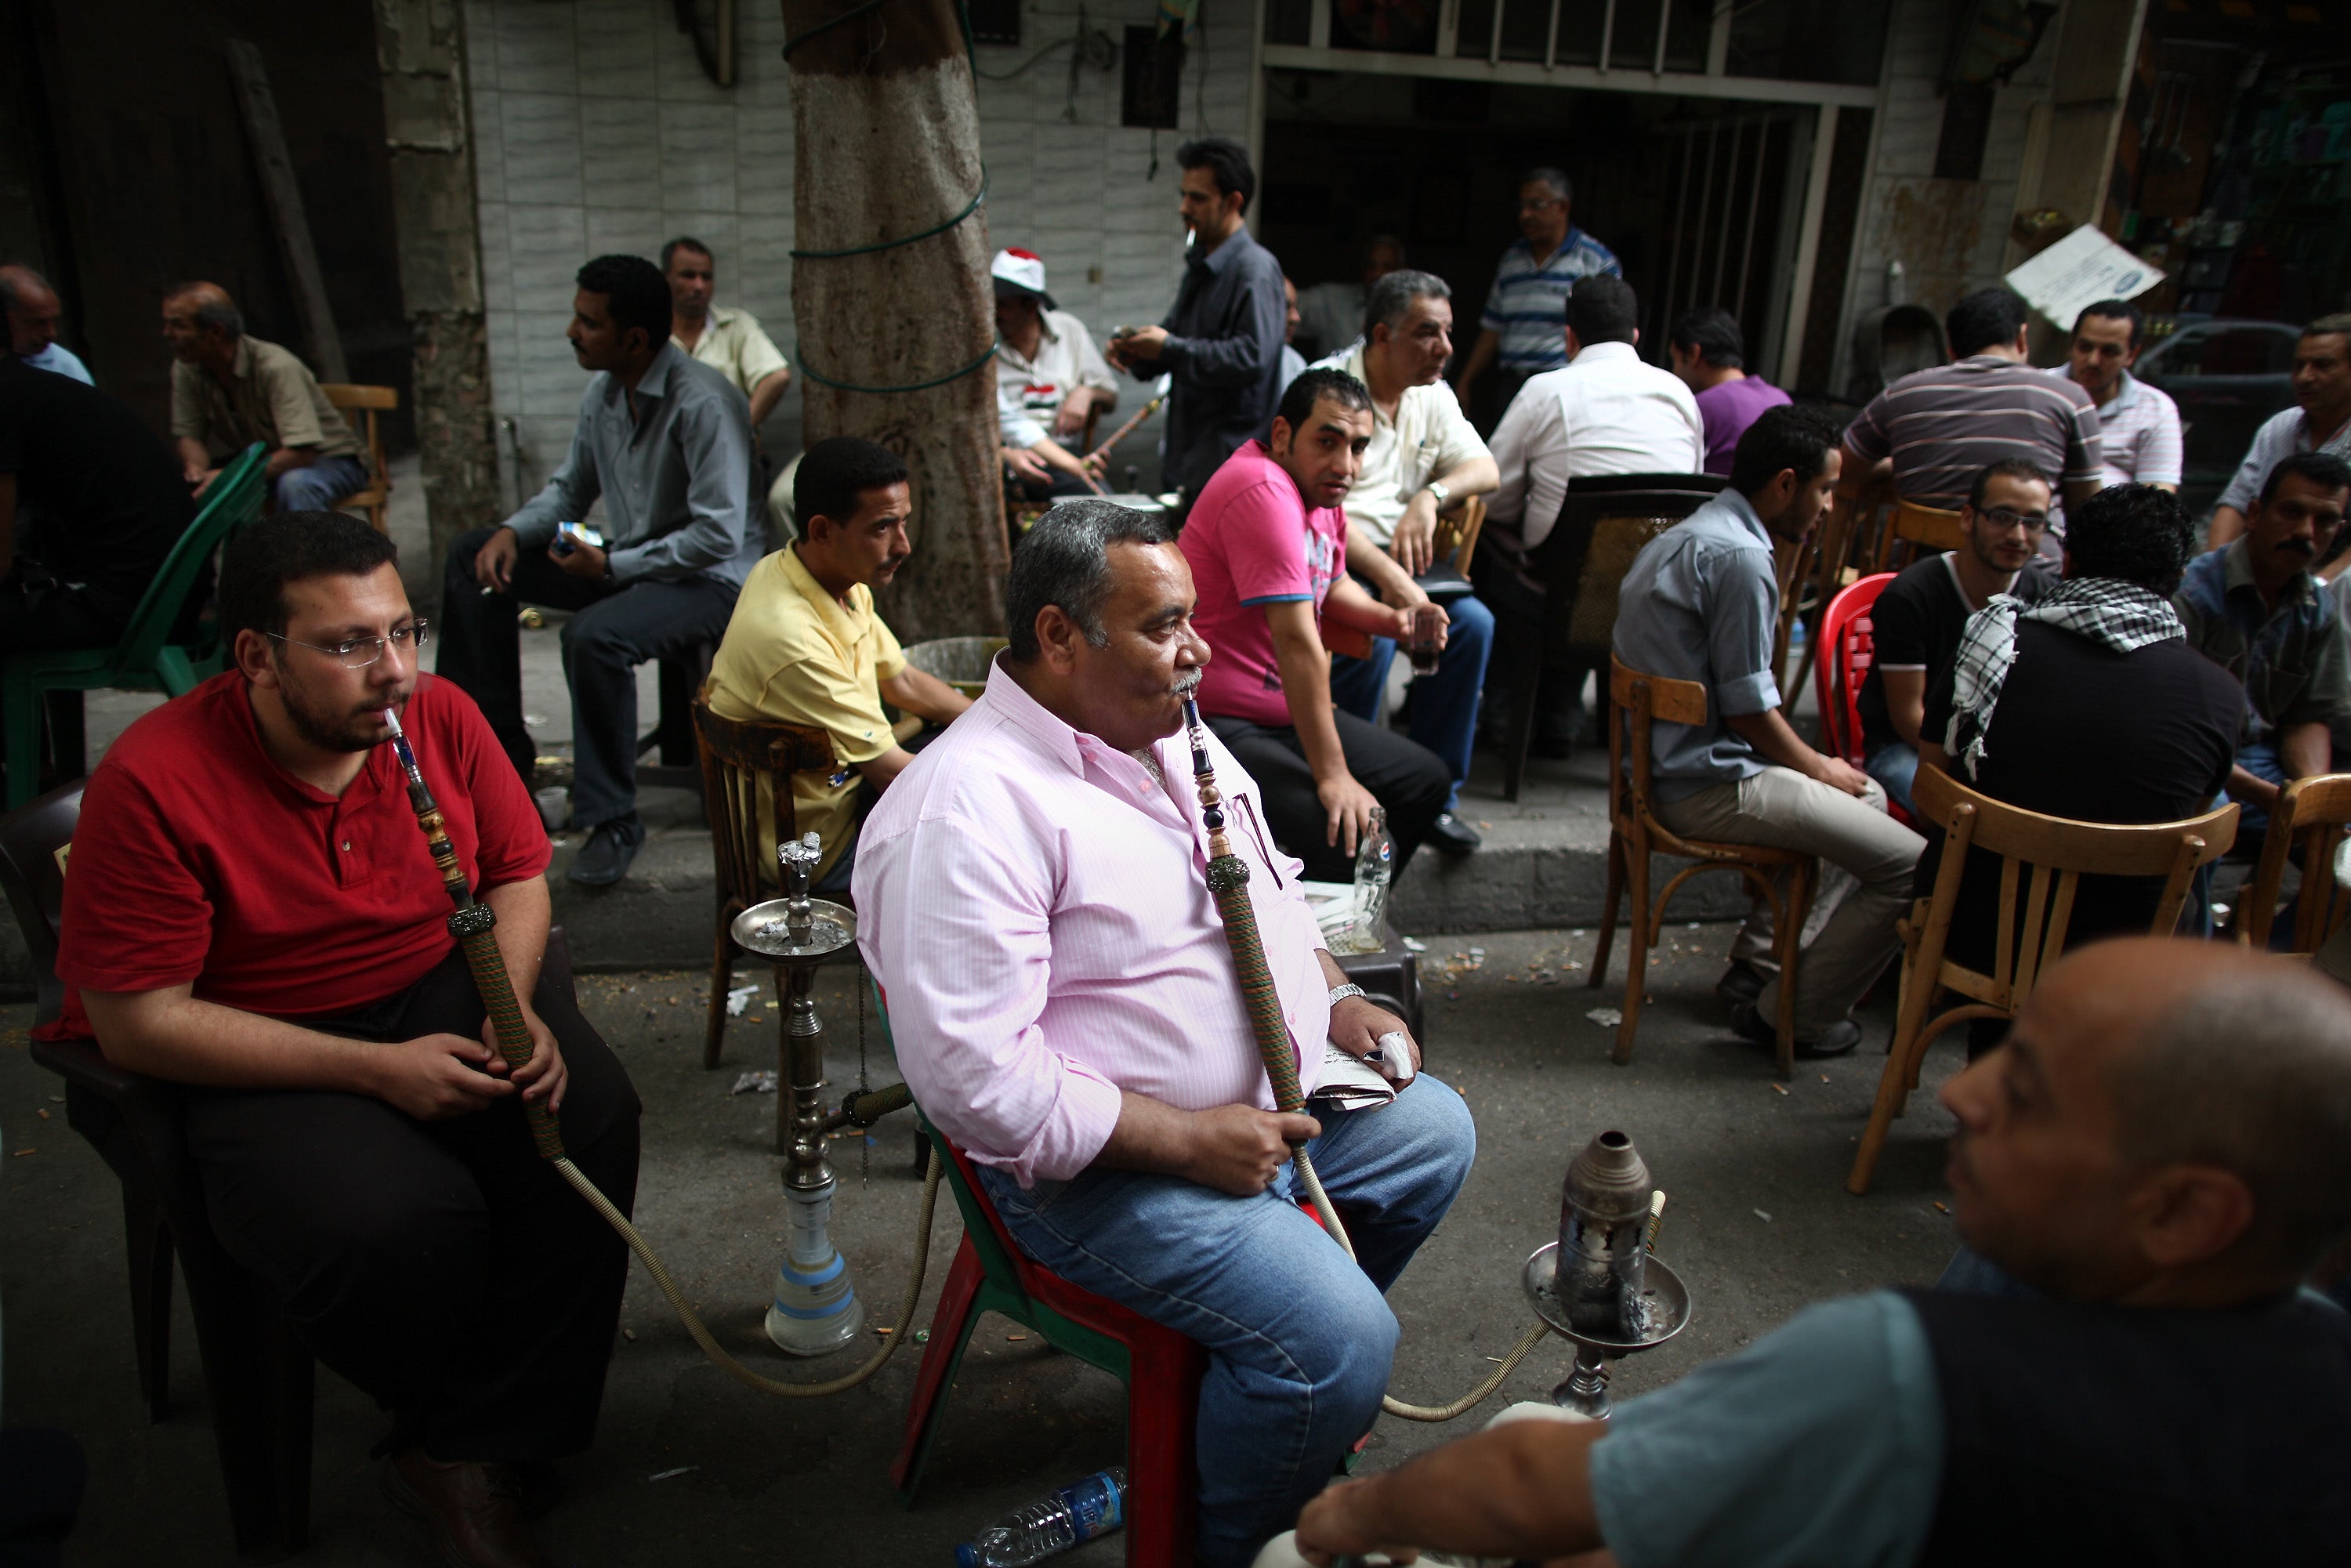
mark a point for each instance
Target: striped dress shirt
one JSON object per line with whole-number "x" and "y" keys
{"x": 1945, "y": 425}
{"x": 1034, "y": 906}
{"x": 1527, "y": 304}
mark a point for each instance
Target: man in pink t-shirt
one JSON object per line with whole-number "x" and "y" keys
{"x": 1267, "y": 541}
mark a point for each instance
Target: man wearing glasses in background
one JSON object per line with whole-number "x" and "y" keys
{"x": 1918, "y": 620}
{"x": 1523, "y": 310}
{"x": 251, "y": 909}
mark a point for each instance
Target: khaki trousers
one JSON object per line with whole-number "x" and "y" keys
{"x": 1783, "y": 808}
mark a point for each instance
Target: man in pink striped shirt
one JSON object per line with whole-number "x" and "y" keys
{"x": 1031, "y": 898}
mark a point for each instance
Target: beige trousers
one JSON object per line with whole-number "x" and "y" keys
{"x": 1783, "y": 808}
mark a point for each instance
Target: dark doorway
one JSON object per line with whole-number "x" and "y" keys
{"x": 1698, "y": 198}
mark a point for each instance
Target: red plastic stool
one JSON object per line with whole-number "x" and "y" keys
{"x": 1161, "y": 1368}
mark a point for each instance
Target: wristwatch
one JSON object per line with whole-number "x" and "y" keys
{"x": 1341, "y": 993}
{"x": 1440, "y": 492}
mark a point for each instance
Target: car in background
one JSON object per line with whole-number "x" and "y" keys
{"x": 2227, "y": 376}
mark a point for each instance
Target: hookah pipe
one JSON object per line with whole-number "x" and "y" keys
{"x": 474, "y": 923}
{"x": 1227, "y": 879}
{"x": 1102, "y": 453}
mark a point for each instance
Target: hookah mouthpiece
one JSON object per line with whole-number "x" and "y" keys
{"x": 1212, "y": 816}
{"x": 401, "y": 749}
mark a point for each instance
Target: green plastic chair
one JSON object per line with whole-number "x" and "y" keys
{"x": 144, "y": 660}
{"x": 1161, "y": 1368}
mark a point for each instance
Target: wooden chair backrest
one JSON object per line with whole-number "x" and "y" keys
{"x": 735, "y": 754}
{"x": 1457, "y": 529}
{"x": 2309, "y": 817}
{"x": 2058, "y": 852}
{"x": 1930, "y": 528}
{"x": 1636, "y": 701}
{"x": 351, "y": 398}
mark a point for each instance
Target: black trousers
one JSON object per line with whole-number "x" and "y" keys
{"x": 1519, "y": 644}
{"x": 611, "y": 632}
{"x": 39, "y": 614}
{"x": 1410, "y": 781}
{"x": 441, "y": 1266}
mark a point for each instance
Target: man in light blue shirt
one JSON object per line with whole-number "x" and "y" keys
{"x": 1941, "y": 1428}
{"x": 664, "y": 442}
{"x": 34, "y": 310}
{"x": 1520, "y": 327}
{"x": 1702, "y": 603}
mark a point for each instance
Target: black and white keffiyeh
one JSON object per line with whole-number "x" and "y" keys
{"x": 2121, "y": 615}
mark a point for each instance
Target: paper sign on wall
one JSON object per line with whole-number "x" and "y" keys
{"x": 2079, "y": 270}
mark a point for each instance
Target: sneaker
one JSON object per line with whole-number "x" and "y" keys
{"x": 1450, "y": 834}
{"x": 604, "y": 859}
{"x": 1834, "y": 1040}
{"x": 1741, "y": 984}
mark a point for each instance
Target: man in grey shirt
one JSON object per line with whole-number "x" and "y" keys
{"x": 2320, "y": 421}
{"x": 1221, "y": 344}
{"x": 1702, "y": 603}
{"x": 665, "y": 443}
{"x": 2162, "y": 1200}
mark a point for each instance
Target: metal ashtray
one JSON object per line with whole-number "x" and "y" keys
{"x": 766, "y": 928}
{"x": 1665, "y": 1297}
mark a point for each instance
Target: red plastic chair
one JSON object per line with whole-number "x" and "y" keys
{"x": 1161, "y": 1368}
{"x": 1847, "y": 640}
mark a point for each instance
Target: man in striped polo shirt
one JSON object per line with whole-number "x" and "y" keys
{"x": 1933, "y": 431}
{"x": 1523, "y": 310}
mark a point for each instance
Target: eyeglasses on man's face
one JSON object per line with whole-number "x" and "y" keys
{"x": 2007, "y": 517}
{"x": 359, "y": 653}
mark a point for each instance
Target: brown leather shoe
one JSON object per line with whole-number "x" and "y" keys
{"x": 474, "y": 1512}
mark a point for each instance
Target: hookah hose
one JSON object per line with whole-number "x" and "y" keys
{"x": 1227, "y": 878}
{"x": 474, "y": 925}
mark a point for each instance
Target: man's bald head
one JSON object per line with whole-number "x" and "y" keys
{"x": 201, "y": 322}
{"x": 2171, "y": 1121}
{"x": 32, "y": 308}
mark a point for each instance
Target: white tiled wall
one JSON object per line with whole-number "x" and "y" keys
{"x": 595, "y": 130}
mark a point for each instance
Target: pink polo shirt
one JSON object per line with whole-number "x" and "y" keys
{"x": 1036, "y": 909}
{"x": 1252, "y": 542}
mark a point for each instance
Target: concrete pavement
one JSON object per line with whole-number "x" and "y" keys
{"x": 689, "y": 1467}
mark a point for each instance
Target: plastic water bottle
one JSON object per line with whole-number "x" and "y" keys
{"x": 1365, "y": 930}
{"x": 1094, "y": 1506}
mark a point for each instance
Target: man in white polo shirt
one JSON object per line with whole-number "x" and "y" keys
{"x": 1424, "y": 455}
{"x": 1049, "y": 379}
{"x": 1607, "y": 411}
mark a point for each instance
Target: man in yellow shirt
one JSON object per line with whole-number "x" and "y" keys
{"x": 805, "y": 646}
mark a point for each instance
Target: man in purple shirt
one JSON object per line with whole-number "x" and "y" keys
{"x": 1705, "y": 350}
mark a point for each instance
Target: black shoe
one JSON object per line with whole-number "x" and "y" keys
{"x": 1741, "y": 984}
{"x": 1450, "y": 834}
{"x": 1834, "y": 1040}
{"x": 604, "y": 859}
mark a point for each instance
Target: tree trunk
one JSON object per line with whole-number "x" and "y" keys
{"x": 888, "y": 133}
{"x": 421, "y": 49}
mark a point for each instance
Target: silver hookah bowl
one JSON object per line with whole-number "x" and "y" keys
{"x": 815, "y": 1309}
{"x": 1599, "y": 1286}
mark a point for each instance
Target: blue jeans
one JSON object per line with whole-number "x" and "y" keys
{"x": 1445, "y": 705}
{"x": 1299, "y": 1338}
{"x": 1895, "y": 765}
{"x": 318, "y": 488}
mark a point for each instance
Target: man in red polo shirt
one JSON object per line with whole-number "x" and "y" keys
{"x": 1267, "y": 541}
{"x": 251, "y": 910}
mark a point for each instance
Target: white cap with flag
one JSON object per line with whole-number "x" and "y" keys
{"x": 1025, "y": 271}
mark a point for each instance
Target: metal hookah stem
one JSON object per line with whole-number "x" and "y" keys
{"x": 474, "y": 925}
{"x": 1228, "y": 877}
